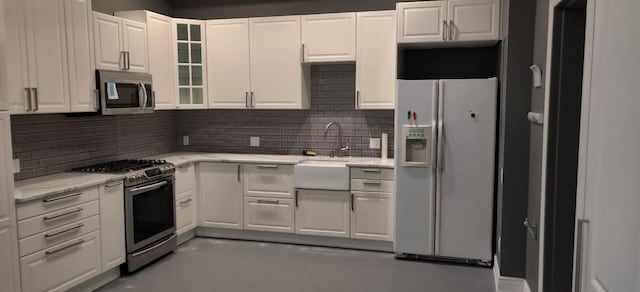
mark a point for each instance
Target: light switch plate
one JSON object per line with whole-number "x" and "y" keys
{"x": 185, "y": 140}
{"x": 254, "y": 141}
{"x": 374, "y": 143}
{"x": 16, "y": 166}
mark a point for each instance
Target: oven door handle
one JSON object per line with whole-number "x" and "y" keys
{"x": 154, "y": 246}
{"x": 149, "y": 187}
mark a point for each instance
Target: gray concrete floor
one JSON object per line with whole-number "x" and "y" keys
{"x": 228, "y": 266}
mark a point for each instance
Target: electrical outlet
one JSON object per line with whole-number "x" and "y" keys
{"x": 374, "y": 143}
{"x": 185, "y": 140}
{"x": 16, "y": 166}
{"x": 254, "y": 141}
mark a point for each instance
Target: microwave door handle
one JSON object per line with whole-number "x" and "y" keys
{"x": 140, "y": 95}
{"x": 146, "y": 97}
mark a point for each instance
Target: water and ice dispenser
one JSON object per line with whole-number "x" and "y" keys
{"x": 416, "y": 145}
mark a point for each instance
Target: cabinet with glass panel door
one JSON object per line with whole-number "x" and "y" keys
{"x": 191, "y": 57}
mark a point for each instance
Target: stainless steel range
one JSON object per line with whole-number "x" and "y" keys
{"x": 149, "y": 208}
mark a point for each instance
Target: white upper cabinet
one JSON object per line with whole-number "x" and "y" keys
{"x": 471, "y": 20}
{"x": 228, "y": 66}
{"x": 376, "y": 60}
{"x": 160, "y": 55}
{"x": 329, "y": 37}
{"x": 48, "y": 56}
{"x": 421, "y": 21}
{"x": 449, "y": 23}
{"x": 120, "y": 44}
{"x": 189, "y": 41}
{"x": 276, "y": 69}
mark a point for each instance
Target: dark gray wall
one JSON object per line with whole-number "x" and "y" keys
{"x": 518, "y": 25}
{"x": 109, "y": 6}
{"x": 202, "y": 9}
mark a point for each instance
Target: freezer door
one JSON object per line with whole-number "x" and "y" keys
{"x": 414, "y": 187}
{"x": 465, "y": 189}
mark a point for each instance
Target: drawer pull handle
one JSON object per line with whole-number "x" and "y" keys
{"x": 52, "y": 252}
{"x": 267, "y": 166}
{"x": 187, "y": 201}
{"x": 72, "y": 212}
{"x": 47, "y": 236}
{"x": 61, "y": 198}
{"x": 270, "y": 202}
{"x": 371, "y": 182}
{"x": 113, "y": 185}
{"x": 371, "y": 170}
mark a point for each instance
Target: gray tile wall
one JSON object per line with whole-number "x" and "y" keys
{"x": 48, "y": 144}
{"x": 291, "y": 131}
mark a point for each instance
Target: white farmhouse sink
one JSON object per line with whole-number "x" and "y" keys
{"x": 322, "y": 175}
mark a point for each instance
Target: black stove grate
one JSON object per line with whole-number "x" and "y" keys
{"x": 121, "y": 166}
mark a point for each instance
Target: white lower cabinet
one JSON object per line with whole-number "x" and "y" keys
{"x": 269, "y": 214}
{"x": 321, "y": 212}
{"x": 372, "y": 216}
{"x": 185, "y": 214}
{"x": 112, "y": 225}
{"x": 62, "y": 266}
{"x": 7, "y": 260}
{"x": 220, "y": 195}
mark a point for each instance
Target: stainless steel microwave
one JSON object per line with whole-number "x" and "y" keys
{"x": 125, "y": 93}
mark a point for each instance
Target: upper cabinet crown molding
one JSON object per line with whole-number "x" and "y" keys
{"x": 329, "y": 37}
{"x": 449, "y": 23}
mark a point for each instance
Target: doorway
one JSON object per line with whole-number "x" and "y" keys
{"x": 565, "y": 100}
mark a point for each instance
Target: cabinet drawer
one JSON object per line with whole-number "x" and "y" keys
{"x": 372, "y": 185}
{"x": 57, "y": 202}
{"x": 55, "y": 219}
{"x": 55, "y": 236}
{"x": 268, "y": 180}
{"x": 62, "y": 266}
{"x": 268, "y": 214}
{"x": 372, "y": 173}
{"x": 185, "y": 178}
{"x": 185, "y": 214}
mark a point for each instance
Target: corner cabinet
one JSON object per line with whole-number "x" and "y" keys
{"x": 120, "y": 44}
{"x": 9, "y": 270}
{"x": 190, "y": 54}
{"x": 221, "y": 197}
{"x": 160, "y": 54}
{"x": 48, "y": 56}
{"x": 376, "y": 60}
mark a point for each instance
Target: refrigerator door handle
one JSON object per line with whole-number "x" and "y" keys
{"x": 438, "y": 169}
{"x": 440, "y": 150}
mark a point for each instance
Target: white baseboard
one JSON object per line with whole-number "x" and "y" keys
{"x": 508, "y": 284}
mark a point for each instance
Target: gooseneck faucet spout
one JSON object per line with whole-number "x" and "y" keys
{"x": 341, "y": 149}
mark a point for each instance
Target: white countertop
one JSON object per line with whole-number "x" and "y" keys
{"x": 40, "y": 187}
{"x": 44, "y": 186}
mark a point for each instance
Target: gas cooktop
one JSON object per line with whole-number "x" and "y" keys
{"x": 123, "y": 166}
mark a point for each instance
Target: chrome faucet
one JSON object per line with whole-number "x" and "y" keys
{"x": 341, "y": 149}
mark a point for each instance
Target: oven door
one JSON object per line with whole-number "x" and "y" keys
{"x": 150, "y": 213}
{"x": 125, "y": 93}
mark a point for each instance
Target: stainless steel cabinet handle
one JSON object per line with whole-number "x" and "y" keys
{"x": 357, "y": 99}
{"x": 55, "y": 251}
{"x": 371, "y": 170}
{"x": 187, "y": 201}
{"x": 72, "y": 212}
{"x": 444, "y": 30}
{"x": 49, "y": 235}
{"x": 302, "y": 53}
{"x": 113, "y": 185}
{"x": 579, "y": 251}
{"x": 128, "y": 64}
{"x": 246, "y": 99}
{"x": 274, "y": 166}
{"x": 353, "y": 207}
{"x": 123, "y": 62}
{"x": 253, "y": 99}
{"x": 270, "y": 202}
{"x": 61, "y": 198}
{"x": 372, "y": 182}
{"x": 239, "y": 175}
{"x": 149, "y": 187}
{"x": 27, "y": 104}
{"x": 36, "y": 107}
{"x": 452, "y": 33}
{"x": 296, "y": 198}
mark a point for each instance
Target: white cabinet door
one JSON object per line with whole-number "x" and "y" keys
{"x": 161, "y": 64}
{"x": 185, "y": 180}
{"x": 324, "y": 213}
{"x": 376, "y": 60}
{"x": 228, "y": 63}
{"x": 185, "y": 214}
{"x": 329, "y": 37}
{"x": 190, "y": 54}
{"x": 108, "y": 41}
{"x": 14, "y": 68}
{"x": 474, "y": 20}
{"x": 9, "y": 275}
{"x": 276, "y": 69}
{"x": 372, "y": 216}
{"x": 220, "y": 201}
{"x": 269, "y": 214}
{"x": 79, "y": 25}
{"x": 47, "y": 55}
{"x": 134, "y": 42}
{"x": 112, "y": 225}
{"x": 421, "y": 21}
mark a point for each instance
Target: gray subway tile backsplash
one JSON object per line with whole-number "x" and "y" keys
{"x": 48, "y": 144}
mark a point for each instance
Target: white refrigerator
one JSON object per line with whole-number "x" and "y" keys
{"x": 445, "y": 165}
